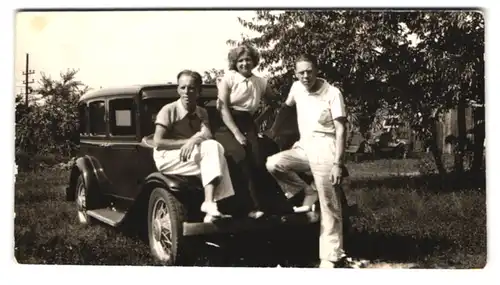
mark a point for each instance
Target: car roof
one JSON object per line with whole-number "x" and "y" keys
{"x": 148, "y": 90}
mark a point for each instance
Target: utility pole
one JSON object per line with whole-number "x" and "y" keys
{"x": 27, "y": 82}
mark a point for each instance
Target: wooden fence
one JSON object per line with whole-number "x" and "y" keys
{"x": 447, "y": 126}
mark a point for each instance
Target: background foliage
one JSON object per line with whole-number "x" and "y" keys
{"x": 414, "y": 64}
{"x": 420, "y": 64}
{"x": 47, "y": 129}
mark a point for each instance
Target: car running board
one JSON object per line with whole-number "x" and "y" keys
{"x": 235, "y": 225}
{"x": 108, "y": 216}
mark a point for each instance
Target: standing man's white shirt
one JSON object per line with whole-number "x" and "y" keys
{"x": 316, "y": 110}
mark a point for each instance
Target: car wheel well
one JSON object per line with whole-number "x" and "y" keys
{"x": 75, "y": 173}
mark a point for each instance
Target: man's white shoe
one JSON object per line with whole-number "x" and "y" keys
{"x": 305, "y": 209}
{"x": 310, "y": 198}
{"x": 210, "y": 208}
{"x": 326, "y": 264}
{"x": 212, "y": 213}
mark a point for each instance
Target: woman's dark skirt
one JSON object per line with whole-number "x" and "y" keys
{"x": 255, "y": 188}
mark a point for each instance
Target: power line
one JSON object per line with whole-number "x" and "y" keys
{"x": 27, "y": 82}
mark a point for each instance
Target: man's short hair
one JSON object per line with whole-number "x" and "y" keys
{"x": 195, "y": 75}
{"x": 308, "y": 58}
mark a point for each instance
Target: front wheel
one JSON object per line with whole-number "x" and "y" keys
{"x": 166, "y": 216}
{"x": 81, "y": 201}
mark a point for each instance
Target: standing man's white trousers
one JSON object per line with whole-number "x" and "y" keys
{"x": 316, "y": 154}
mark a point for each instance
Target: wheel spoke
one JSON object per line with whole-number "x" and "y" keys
{"x": 166, "y": 245}
{"x": 163, "y": 214}
{"x": 166, "y": 233}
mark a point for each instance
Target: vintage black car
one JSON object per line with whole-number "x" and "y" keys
{"x": 115, "y": 181}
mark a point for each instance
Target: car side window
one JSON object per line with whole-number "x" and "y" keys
{"x": 122, "y": 117}
{"x": 82, "y": 118}
{"x": 97, "y": 113}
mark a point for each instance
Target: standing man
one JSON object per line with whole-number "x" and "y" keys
{"x": 184, "y": 146}
{"x": 321, "y": 118}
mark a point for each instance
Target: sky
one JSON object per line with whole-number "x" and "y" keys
{"x": 124, "y": 47}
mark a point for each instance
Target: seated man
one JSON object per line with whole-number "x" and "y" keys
{"x": 184, "y": 146}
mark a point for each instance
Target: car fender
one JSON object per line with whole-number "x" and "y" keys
{"x": 175, "y": 184}
{"x": 152, "y": 181}
{"x": 90, "y": 169}
{"x": 167, "y": 182}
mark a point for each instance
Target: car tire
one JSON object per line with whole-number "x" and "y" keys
{"x": 81, "y": 194}
{"x": 166, "y": 216}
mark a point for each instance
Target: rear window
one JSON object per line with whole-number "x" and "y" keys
{"x": 83, "y": 117}
{"x": 97, "y": 113}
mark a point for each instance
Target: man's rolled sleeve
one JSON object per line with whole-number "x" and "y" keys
{"x": 204, "y": 132}
{"x": 337, "y": 105}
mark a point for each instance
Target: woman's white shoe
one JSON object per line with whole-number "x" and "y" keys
{"x": 255, "y": 214}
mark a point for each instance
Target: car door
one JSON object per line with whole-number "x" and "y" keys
{"x": 126, "y": 172}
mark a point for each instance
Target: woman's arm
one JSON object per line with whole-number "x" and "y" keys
{"x": 223, "y": 106}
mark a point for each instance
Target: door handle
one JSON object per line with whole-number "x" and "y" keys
{"x": 104, "y": 145}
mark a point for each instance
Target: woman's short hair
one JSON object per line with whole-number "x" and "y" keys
{"x": 195, "y": 75}
{"x": 237, "y": 52}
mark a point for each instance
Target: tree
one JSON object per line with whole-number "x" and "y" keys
{"x": 347, "y": 44}
{"x": 66, "y": 87}
{"x": 52, "y": 126}
{"x": 370, "y": 57}
{"x": 449, "y": 69}
{"x": 211, "y": 76}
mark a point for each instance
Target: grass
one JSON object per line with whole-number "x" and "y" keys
{"x": 423, "y": 220}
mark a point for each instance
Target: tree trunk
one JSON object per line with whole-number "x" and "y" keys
{"x": 461, "y": 138}
{"x": 435, "y": 150}
{"x": 437, "y": 154}
{"x": 479, "y": 136}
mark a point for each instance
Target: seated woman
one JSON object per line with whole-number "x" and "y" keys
{"x": 240, "y": 93}
{"x": 184, "y": 145}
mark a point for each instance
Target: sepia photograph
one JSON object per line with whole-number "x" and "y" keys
{"x": 280, "y": 138}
